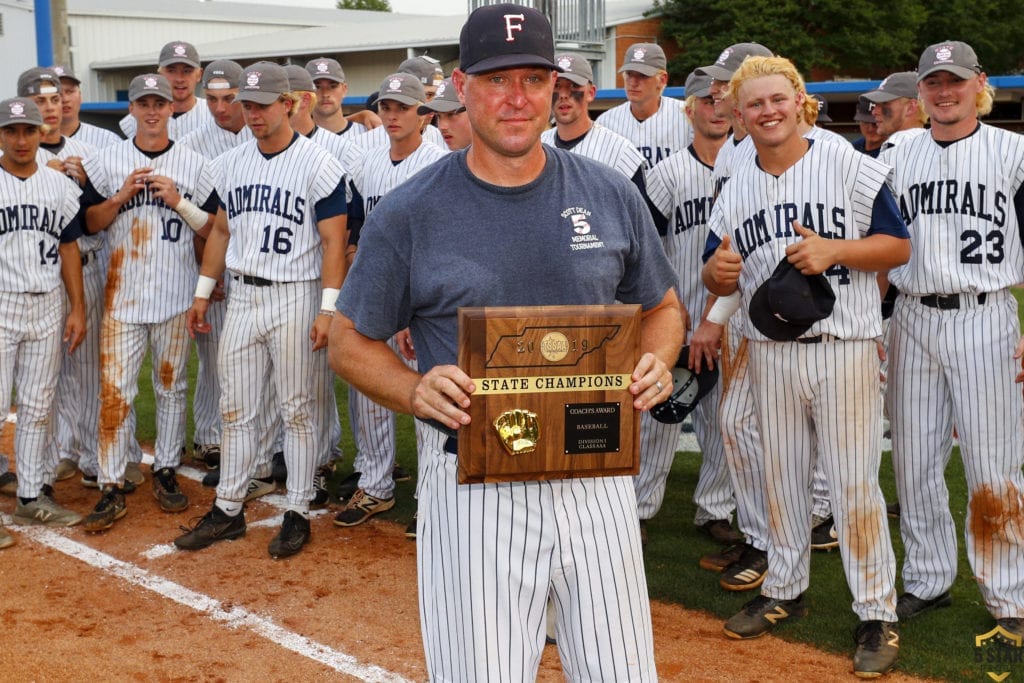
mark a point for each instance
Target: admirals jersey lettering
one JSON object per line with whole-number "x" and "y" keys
{"x": 971, "y": 210}
{"x": 666, "y": 132}
{"x": 273, "y": 222}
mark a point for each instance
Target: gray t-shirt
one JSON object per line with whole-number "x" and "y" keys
{"x": 578, "y": 234}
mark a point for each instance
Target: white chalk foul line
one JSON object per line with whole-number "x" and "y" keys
{"x": 236, "y": 617}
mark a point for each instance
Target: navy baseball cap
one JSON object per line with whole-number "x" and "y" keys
{"x": 953, "y": 56}
{"x": 788, "y": 303}
{"x": 506, "y": 36}
{"x": 864, "y": 114}
{"x": 823, "y": 116}
{"x": 688, "y": 388}
{"x": 731, "y": 58}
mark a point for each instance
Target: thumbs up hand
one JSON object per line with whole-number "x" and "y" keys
{"x": 725, "y": 265}
{"x": 813, "y": 254}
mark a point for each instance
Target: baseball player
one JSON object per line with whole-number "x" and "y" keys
{"x": 280, "y": 231}
{"x": 450, "y": 116}
{"x": 870, "y": 140}
{"x": 179, "y": 64}
{"x": 39, "y": 254}
{"x": 819, "y": 209}
{"x": 489, "y": 555}
{"x": 382, "y": 169}
{"x": 329, "y": 78}
{"x": 149, "y": 195}
{"x": 656, "y": 124}
{"x": 898, "y": 113}
{"x": 427, "y": 71}
{"x": 70, "y": 124}
{"x": 681, "y": 189}
{"x": 955, "y": 344}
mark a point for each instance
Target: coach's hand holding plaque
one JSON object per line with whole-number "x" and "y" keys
{"x": 552, "y": 392}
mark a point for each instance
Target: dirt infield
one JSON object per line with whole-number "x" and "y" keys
{"x": 125, "y": 605}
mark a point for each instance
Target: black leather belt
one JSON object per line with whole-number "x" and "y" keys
{"x": 951, "y": 302}
{"x": 451, "y": 445}
{"x": 817, "y": 339}
{"x": 258, "y": 281}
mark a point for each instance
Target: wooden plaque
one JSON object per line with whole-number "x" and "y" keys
{"x": 556, "y": 378}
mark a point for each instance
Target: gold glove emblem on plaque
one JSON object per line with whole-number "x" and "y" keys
{"x": 519, "y": 431}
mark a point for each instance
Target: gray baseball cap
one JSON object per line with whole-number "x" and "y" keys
{"x": 325, "y": 67}
{"x": 698, "y": 84}
{"x": 731, "y": 58}
{"x": 954, "y": 56}
{"x": 574, "y": 68}
{"x": 179, "y": 52}
{"x": 222, "y": 69}
{"x": 404, "y": 88}
{"x": 149, "y": 84}
{"x": 506, "y": 36}
{"x": 900, "y": 84}
{"x": 425, "y": 68}
{"x": 864, "y": 114}
{"x": 65, "y": 72}
{"x": 38, "y": 81}
{"x": 823, "y": 116}
{"x": 19, "y": 110}
{"x": 299, "y": 79}
{"x": 446, "y": 100}
{"x": 263, "y": 83}
{"x": 645, "y": 58}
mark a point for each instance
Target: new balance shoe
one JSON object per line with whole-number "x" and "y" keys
{"x": 280, "y": 469}
{"x": 110, "y": 508}
{"x": 91, "y": 481}
{"x": 716, "y": 562}
{"x": 133, "y": 473}
{"x": 66, "y": 469}
{"x": 6, "y": 540}
{"x": 293, "y": 535}
{"x": 44, "y": 511}
{"x": 167, "y": 492}
{"x": 321, "y": 480}
{"x": 878, "y": 644}
{"x": 348, "y": 486}
{"x": 721, "y": 532}
{"x": 399, "y": 473}
{"x": 410, "y": 531}
{"x": 9, "y": 484}
{"x": 361, "y": 507}
{"x": 747, "y": 572}
{"x": 909, "y": 605}
{"x": 761, "y": 615}
{"x": 823, "y": 534}
{"x": 258, "y": 488}
{"x": 206, "y": 455}
{"x": 215, "y": 525}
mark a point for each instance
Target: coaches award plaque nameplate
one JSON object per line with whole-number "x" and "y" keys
{"x": 552, "y": 394}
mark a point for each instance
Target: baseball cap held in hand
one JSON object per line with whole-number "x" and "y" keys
{"x": 506, "y": 36}
{"x": 788, "y": 303}
{"x": 688, "y": 388}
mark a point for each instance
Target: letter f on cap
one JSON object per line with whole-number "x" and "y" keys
{"x": 509, "y": 26}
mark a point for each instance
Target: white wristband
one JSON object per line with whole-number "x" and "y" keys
{"x": 724, "y": 308}
{"x": 193, "y": 215}
{"x": 204, "y": 287}
{"x": 329, "y": 301}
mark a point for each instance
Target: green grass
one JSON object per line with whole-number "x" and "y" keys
{"x": 939, "y": 645}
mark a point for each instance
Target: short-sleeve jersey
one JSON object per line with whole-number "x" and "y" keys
{"x": 270, "y": 201}
{"x": 153, "y": 269}
{"x": 72, "y": 147}
{"x": 831, "y": 190}
{"x": 179, "y": 125}
{"x": 958, "y": 202}
{"x": 377, "y": 175}
{"x": 95, "y": 136}
{"x": 211, "y": 140}
{"x": 378, "y": 137}
{"x": 608, "y": 147}
{"x": 666, "y": 132}
{"x": 579, "y": 233}
{"x": 36, "y": 215}
{"x": 682, "y": 188}
{"x": 895, "y": 140}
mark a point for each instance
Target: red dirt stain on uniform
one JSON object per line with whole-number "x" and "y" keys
{"x": 113, "y": 277}
{"x": 166, "y": 374}
{"x": 140, "y": 236}
{"x": 113, "y": 411}
{"x": 991, "y": 514}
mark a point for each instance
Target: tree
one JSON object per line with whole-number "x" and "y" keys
{"x": 992, "y": 27}
{"x": 371, "y": 5}
{"x": 823, "y": 38}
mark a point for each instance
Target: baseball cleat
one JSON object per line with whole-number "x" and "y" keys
{"x": 214, "y": 526}
{"x": 110, "y": 508}
{"x": 747, "y": 572}
{"x": 878, "y": 644}
{"x": 909, "y": 605}
{"x": 761, "y": 615}
{"x": 293, "y": 535}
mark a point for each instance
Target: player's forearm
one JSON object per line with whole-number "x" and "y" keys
{"x": 71, "y": 274}
{"x": 100, "y": 216}
{"x": 661, "y": 329}
{"x": 334, "y": 238}
{"x": 371, "y": 366}
{"x": 874, "y": 253}
{"x": 216, "y": 248}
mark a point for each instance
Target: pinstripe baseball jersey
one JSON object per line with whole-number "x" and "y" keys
{"x": 95, "y": 136}
{"x": 682, "y": 188}
{"x": 378, "y": 174}
{"x": 958, "y": 203}
{"x": 272, "y": 221}
{"x": 71, "y": 147}
{"x": 378, "y": 137}
{"x": 832, "y": 190}
{"x": 211, "y": 140}
{"x": 179, "y": 125}
{"x": 666, "y": 132}
{"x": 894, "y": 140}
{"x": 351, "y": 131}
{"x": 154, "y": 242}
{"x": 37, "y": 214}
{"x": 608, "y": 147}
{"x": 341, "y": 148}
